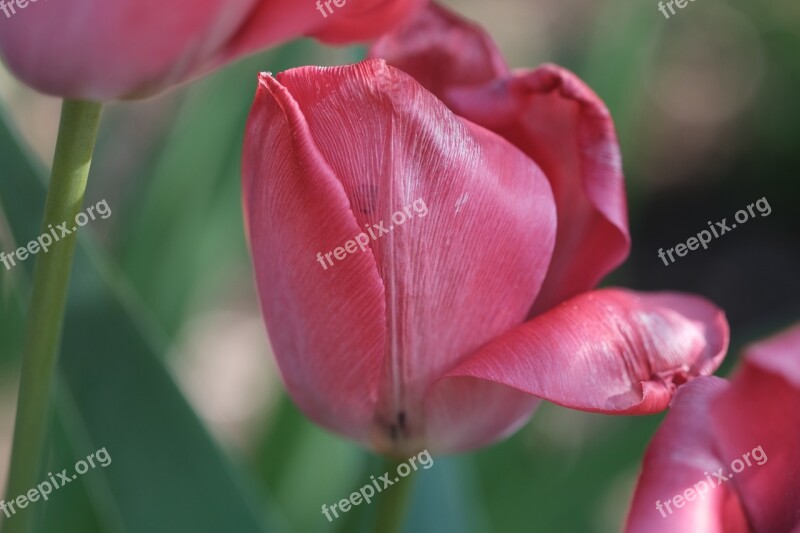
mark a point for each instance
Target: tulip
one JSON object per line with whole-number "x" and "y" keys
{"x": 114, "y": 49}
{"x": 729, "y": 450}
{"x": 427, "y": 337}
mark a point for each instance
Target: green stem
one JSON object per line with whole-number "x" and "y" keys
{"x": 76, "y": 140}
{"x": 393, "y": 501}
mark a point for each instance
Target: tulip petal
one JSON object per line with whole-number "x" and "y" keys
{"x": 461, "y": 266}
{"x": 563, "y": 125}
{"x": 362, "y": 20}
{"x": 466, "y": 414}
{"x": 761, "y": 410}
{"x": 683, "y": 456}
{"x": 609, "y": 351}
{"x": 270, "y": 22}
{"x": 280, "y": 20}
{"x": 327, "y": 326}
{"x": 441, "y": 50}
{"x": 552, "y": 116}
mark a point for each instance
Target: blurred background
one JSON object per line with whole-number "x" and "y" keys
{"x": 166, "y": 362}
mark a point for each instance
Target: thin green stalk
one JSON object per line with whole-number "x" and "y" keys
{"x": 76, "y": 140}
{"x": 393, "y": 501}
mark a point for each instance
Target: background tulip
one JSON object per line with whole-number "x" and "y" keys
{"x": 422, "y": 340}
{"x": 106, "y": 50}
{"x": 711, "y": 424}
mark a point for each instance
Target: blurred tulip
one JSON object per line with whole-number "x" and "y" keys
{"x": 115, "y": 49}
{"x": 421, "y": 340}
{"x": 712, "y": 423}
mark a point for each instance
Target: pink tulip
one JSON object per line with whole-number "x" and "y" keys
{"x": 112, "y": 49}
{"x": 741, "y": 439}
{"x": 426, "y": 336}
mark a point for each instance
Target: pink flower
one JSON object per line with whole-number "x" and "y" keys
{"x": 734, "y": 445}
{"x": 112, "y": 49}
{"x": 447, "y": 329}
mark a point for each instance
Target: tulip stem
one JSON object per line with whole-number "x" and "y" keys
{"x": 77, "y": 135}
{"x": 393, "y": 501}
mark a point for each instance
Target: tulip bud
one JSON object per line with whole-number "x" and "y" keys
{"x": 420, "y": 340}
